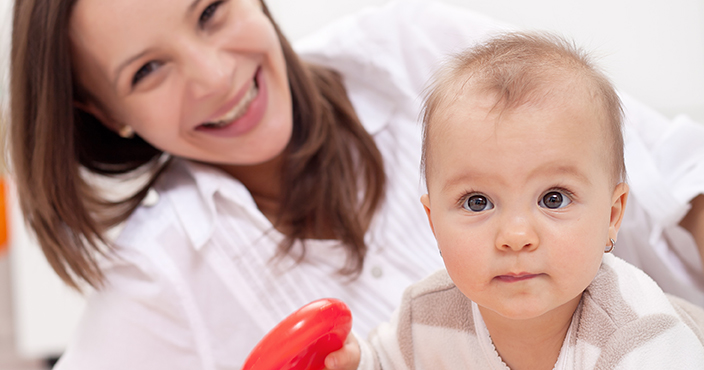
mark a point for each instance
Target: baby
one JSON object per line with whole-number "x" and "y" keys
{"x": 523, "y": 160}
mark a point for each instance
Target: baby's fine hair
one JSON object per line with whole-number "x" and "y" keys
{"x": 521, "y": 68}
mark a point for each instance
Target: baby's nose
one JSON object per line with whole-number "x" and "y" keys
{"x": 517, "y": 233}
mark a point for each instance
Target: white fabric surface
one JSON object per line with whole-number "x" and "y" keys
{"x": 193, "y": 287}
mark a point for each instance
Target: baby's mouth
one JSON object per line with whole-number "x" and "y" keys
{"x": 237, "y": 111}
{"x": 511, "y": 277}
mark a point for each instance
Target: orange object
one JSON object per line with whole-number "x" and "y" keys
{"x": 3, "y": 217}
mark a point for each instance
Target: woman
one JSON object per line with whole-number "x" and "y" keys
{"x": 270, "y": 181}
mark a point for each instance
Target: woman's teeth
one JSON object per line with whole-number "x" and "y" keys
{"x": 238, "y": 111}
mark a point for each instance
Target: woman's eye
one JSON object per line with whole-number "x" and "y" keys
{"x": 144, "y": 71}
{"x": 554, "y": 200}
{"x": 208, "y": 12}
{"x": 477, "y": 203}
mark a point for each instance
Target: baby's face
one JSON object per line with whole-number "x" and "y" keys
{"x": 523, "y": 207}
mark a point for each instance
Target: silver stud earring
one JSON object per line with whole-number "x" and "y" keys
{"x": 610, "y": 248}
{"x": 126, "y": 132}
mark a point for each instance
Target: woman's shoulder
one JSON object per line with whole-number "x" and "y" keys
{"x": 387, "y": 54}
{"x": 438, "y": 26}
{"x": 406, "y": 40}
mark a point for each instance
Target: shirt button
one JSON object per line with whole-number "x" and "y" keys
{"x": 377, "y": 271}
{"x": 151, "y": 199}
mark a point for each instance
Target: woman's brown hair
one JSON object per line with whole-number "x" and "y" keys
{"x": 329, "y": 161}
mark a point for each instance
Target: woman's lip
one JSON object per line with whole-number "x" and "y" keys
{"x": 234, "y": 101}
{"x": 515, "y": 277}
{"x": 254, "y": 114}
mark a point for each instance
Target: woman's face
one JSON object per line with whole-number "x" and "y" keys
{"x": 200, "y": 79}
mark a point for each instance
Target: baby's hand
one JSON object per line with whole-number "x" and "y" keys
{"x": 346, "y": 358}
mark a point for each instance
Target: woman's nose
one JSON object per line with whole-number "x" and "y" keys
{"x": 209, "y": 71}
{"x": 517, "y": 233}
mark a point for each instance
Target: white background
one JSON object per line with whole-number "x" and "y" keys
{"x": 652, "y": 49}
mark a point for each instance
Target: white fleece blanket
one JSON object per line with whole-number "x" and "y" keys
{"x": 624, "y": 321}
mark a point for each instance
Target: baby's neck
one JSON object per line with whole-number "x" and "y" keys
{"x": 530, "y": 344}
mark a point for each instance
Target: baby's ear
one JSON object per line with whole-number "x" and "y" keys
{"x": 425, "y": 200}
{"x": 618, "y": 208}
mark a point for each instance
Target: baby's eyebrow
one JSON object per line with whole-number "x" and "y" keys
{"x": 561, "y": 170}
{"x": 550, "y": 170}
{"x": 459, "y": 179}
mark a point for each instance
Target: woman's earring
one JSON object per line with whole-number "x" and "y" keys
{"x": 609, "y": 248}
{"x": 126, "y": 132}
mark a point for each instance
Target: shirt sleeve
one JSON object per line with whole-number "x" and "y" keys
{"x": 670, "y": 155}
{"x": 388, "y": 54}
{"x": 418, "y": 36}
{"x": 665, "y": 167}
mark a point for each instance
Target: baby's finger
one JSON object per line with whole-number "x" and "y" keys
{"x": 346, "y": 358}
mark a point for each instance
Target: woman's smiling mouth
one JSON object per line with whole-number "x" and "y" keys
{"x": 246, "y": 113}
{"x": 237, "y": 111}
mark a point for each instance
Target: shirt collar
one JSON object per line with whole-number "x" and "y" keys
{"x": 196, "y": 210}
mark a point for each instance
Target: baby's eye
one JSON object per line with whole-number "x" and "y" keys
{"x": 144, "y": 71}
{"x": 477, "y": 203}
{"x": 554, "y": 200}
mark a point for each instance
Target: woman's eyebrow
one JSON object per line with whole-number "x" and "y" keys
{"x": 127, "y": 62}
{"x": 193, "y": 6}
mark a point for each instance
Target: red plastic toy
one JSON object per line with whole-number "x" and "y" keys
{"x": 303, "y": 340}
